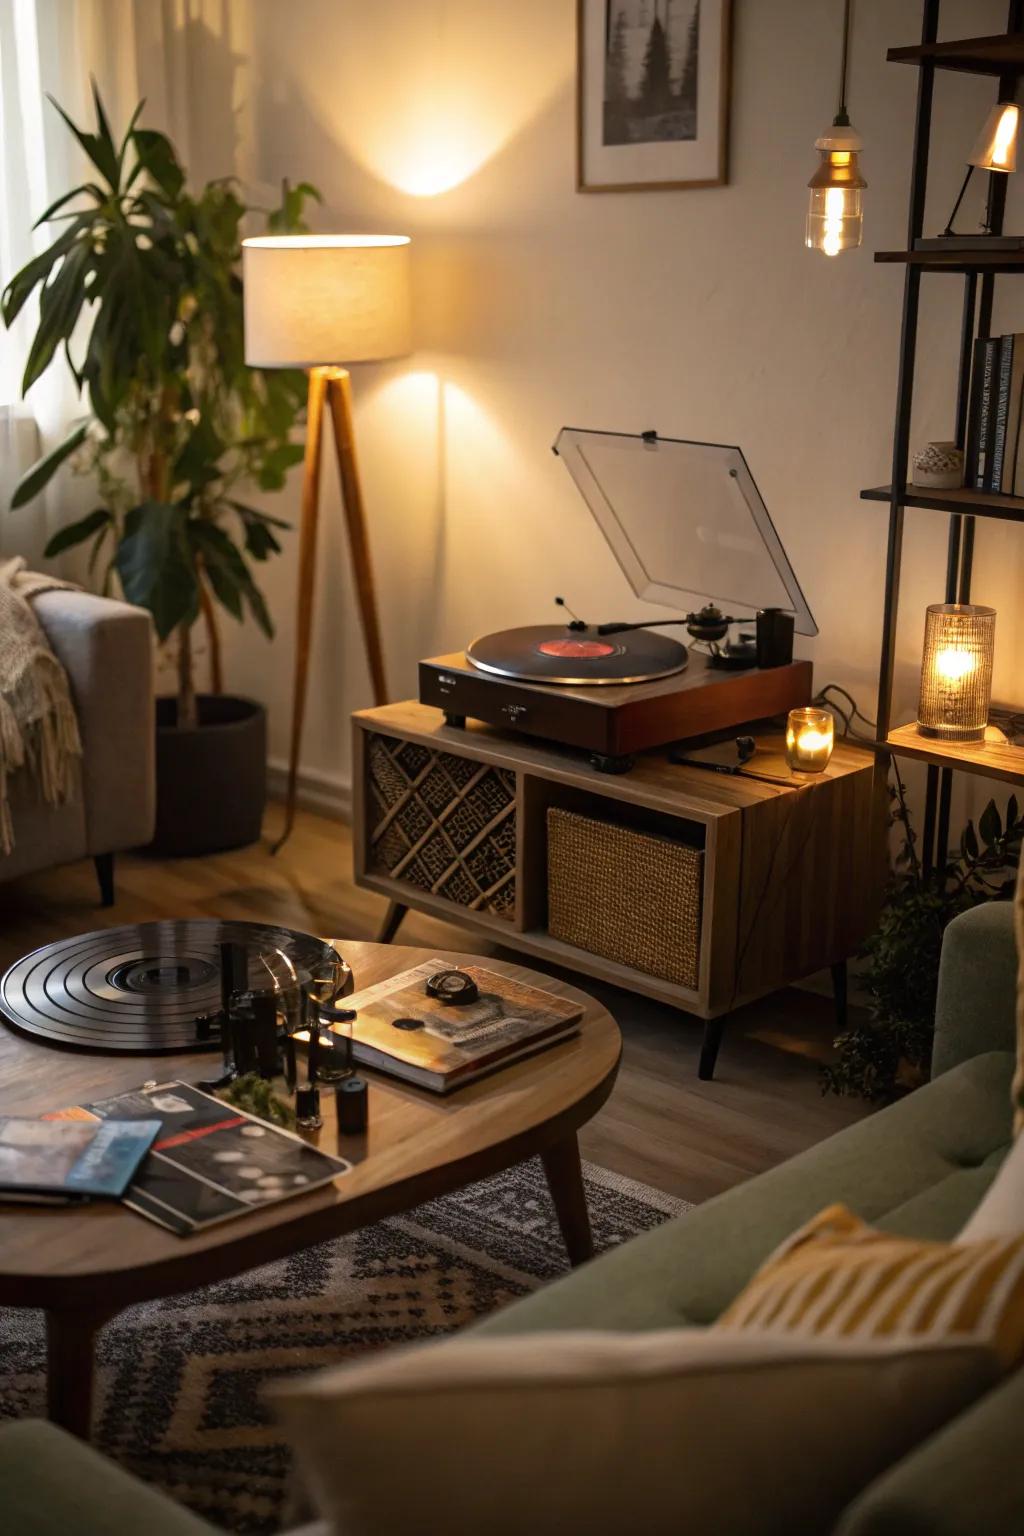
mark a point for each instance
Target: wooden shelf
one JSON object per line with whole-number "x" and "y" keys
{"x": 993, "y": 758}
{"x": 999, "y": 55}
{"x": 957, "y": 261}
{"x": 966, "y": 500}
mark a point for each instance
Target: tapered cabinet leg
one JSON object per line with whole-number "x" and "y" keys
{"x": 565, "y": 1181}
{"x": 709, "y": 1049}
{"x": 340, "y": 399}
{"x": 318, "y": 379}
{"x": 840, "y": 991}
{"x": 104, "y": 865}
{"x": 70, "y": 1341}
{"x": 392, "y": 922}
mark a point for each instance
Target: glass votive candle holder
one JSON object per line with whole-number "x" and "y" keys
{"x": 810, "y": 737}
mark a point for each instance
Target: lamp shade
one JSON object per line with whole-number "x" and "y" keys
{"x": 956, "y": 673}
{"x": 312, "y": 300}
{"x": 996, "y": 148}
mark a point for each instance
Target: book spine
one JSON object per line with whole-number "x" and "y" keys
{"x": 1001, "y": 394}
{"x": 974, "y": 414}
{"x": 986, "y": 417}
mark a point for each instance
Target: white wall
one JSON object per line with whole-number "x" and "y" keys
{"x": 698, "y": 313}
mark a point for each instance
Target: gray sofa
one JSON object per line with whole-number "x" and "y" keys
{"x": 106, "y": 649}
{"x": 919, "y": 1167}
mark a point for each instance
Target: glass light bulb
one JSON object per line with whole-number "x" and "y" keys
{"x": 835, "y": 212}
{"x": 1006, "y": 132}
{"x": 953, "y": 665}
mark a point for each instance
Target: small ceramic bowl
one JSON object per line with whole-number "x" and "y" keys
{"x": 939, "y": 467}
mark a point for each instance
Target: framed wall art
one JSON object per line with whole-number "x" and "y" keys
{"x": 652, "y": 94}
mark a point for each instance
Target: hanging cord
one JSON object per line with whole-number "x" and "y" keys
{"x": 842, "y": 118}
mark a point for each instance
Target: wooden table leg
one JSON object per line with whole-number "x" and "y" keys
{"x": 565, "y": 1181}
{"x": 393, "y": 919}
{"x": 70, "y": 1337}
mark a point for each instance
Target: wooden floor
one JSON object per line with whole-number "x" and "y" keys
{"x": 661, "y": 1125}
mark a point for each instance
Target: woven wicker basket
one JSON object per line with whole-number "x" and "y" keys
{"x": 629, "y": 896}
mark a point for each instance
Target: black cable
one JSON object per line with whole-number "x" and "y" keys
{"x": 842, "y": 118}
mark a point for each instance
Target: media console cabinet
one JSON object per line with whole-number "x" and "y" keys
{"x": 782, "y": 878}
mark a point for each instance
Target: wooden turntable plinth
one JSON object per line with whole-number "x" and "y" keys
{"x": 615, "y": 721}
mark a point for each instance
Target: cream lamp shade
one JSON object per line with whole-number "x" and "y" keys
{"x": 318, "y": 300}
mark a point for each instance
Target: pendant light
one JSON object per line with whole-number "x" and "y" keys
{"x": 835, "y": 213}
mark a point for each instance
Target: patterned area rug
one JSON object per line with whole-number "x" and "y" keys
{"x": 178, "y": 1381}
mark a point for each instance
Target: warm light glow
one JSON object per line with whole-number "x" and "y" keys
{"x": 835, "y": 213}
{"x": 324, "y": 242}
{"x": 996, "y": 149}
{"x": 953, "y": 666}
{"x": 1006, "y": 132}
{"x": 956, "y": 671}
{"x": 810, "y": 736}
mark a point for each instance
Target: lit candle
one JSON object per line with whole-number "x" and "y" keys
{"x": 956, "y": 671}
{"x": 810, "y": 735}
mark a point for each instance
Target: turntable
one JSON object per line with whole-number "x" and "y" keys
{"x": 689, "y": 529}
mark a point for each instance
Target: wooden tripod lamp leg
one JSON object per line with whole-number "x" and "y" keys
{"x": 339, "y": 392}
{"x": 318, "y": 385}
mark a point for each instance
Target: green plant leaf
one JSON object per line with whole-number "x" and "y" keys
{"x": 276, "y": 463}
{"x": 1012, "y": 812}
{"x": 156, "y": 566}
{"x": 969, "y": 842}
{"x": 260, "y": 542}
{"x": 158, "y": 159}
{"x": 77, "y": 533}
{"x": 34, "y": 272}
{"x": 32, "y": 482}
{"x": 990, "y": 824}
{"x": 99, "y": 150}
{"x": 60, "y": 304}
{"x": 228, "y": 573}
{"x": 87, "y": 189}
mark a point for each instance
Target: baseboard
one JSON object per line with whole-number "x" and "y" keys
{"x": 328, "y": 794}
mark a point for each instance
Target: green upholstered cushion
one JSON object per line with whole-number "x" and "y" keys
{"x": 918, "y": 1167}
{"x": 976, "y": 1009}
{"x": 968, "y": 1480}
{"x": 53, "y": 1485}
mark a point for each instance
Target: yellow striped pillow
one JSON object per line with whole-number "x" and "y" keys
{"x": 839, "y": 1278}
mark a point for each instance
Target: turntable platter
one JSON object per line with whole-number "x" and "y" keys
{"x": 550, "y": 653}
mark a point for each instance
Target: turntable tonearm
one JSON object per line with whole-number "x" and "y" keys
{"x": 684, "y": 520}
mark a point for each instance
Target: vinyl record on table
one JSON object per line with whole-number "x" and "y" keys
{"x": 152, "y": 987}
{"x": 551, "y": 653}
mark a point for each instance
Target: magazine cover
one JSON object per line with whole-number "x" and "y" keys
{"x": 70, "y": 1160}
{"x": 211, "y": 1161}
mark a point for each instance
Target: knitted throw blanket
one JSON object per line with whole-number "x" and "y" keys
{"x": 38, "y": 727}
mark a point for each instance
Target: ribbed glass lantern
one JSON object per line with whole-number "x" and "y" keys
{"x": 956, "y": 673}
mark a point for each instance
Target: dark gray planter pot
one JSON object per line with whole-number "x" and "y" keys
{"x": 211, "y": 781}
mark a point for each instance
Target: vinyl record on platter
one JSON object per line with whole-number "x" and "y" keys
{"x": 552, "y": 653}
{"x": 153, "y": 987}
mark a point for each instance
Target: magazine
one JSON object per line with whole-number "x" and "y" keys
{"x": 211, "y": 1161}
{"x": 54, "y": 1162}
{"x": 442, "y": 1046}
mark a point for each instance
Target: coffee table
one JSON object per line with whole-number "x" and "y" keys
{"x": 84, "y": 1264}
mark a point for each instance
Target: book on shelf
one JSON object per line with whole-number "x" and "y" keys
{"x": 59, "y": 1160}
{"x": 995, "y": 419}
{"x": 400, "y": 1030}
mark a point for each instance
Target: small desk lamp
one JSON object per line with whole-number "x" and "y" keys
{"x": 316, "y": 302}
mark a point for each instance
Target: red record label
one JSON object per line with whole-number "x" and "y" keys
{"x": 577, "y": 650}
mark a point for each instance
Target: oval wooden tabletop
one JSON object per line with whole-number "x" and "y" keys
{"x": 418, "y": 1145}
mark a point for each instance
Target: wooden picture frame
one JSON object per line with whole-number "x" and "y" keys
{"x": 652, "y": 94}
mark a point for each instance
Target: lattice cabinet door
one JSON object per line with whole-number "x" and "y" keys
{"x": 443, "y": 823}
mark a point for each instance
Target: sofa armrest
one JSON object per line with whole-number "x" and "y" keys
{"x": 967, "y": 1480}
{"x": 53, "y": 1485}
{"x": 976, "y": 1006}
{"x": 106, "y": 648}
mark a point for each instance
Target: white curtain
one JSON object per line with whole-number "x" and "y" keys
{"x": 131, "y": 48}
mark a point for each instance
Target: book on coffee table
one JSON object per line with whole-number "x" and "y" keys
{"x": 401, "y": 1030}
{"x": 54, "y": 1162}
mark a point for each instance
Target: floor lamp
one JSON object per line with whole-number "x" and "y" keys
{"x": 318, "y": 302}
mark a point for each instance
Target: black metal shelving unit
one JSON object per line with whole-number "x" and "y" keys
{"x": 1001, "y": 57}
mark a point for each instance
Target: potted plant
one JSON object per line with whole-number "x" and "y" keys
{"x": 141, "y": 295}
{"x": 889, "y": 1052}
